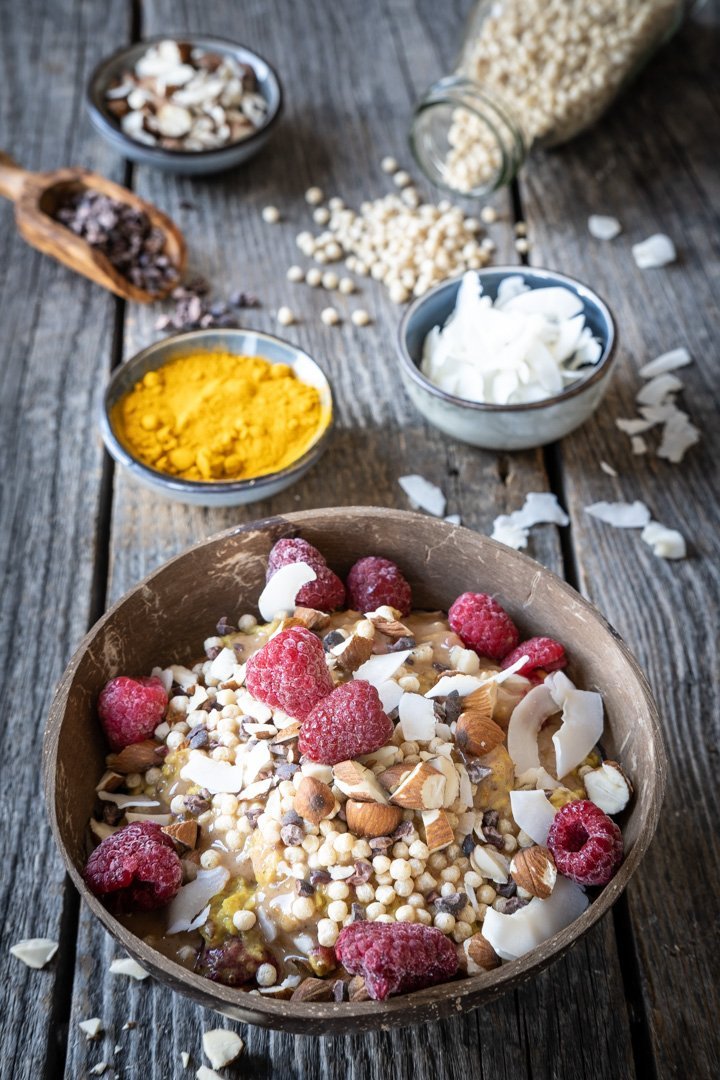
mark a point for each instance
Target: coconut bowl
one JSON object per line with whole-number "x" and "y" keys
{"x": 163, "y": 621}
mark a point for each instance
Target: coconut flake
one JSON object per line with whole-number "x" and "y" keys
{"x": 219, "y": 777}
{"x": 280, "y": 594}
{"x": 390, "y": 694}
{"x": 221, "y": 1046}
{"x": 34, "y": 952}
{"x": 193, "y": 897}
{"x": 608, "y": 469}
{"x": 381, "y": 667}
{"x": 125, "y": 965}
{"x": 638, "y": 445}
{"x": 668, "y": 361}
{"x": 604, "y": 227}
{"x": 417, "y": 718}
{"x": 533, "y": 813}
{"x": 422, "y": 493}
{"x": 622, "y": 515}
{"x": 204, "y": 1073}
{"x": 463, "y": 684}
{"x": 184, "y": 1058}
{"x": 539, "y": 508}
{"x": 634, "y": 426}
{"x": 222, "y": 668}
{"x": 126, "y": 800}
{"x": 505, "y": 532}
{"x": 453, "y": 519}
{"x": 559, "y": 686}
{"x": 527, "y": 718}
{"x": 580, "y": 730}
{"x": 156, "y": 819}
{"x": 657, "y": 250}
{"x": 656, "y": 390}
{"x": 514, "y": 935}
{"x": 679, "y": 434}
{"x": 91, "y": 1028}
{"x": 258, "y": 758}
{"x": 666, "y": 543}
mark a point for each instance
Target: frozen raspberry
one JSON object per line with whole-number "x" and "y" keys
{"x": 347, "y": 723}
{"x": 135, "y": 869}
{"x": 542, "y": 652}
{"x": 374, "y": 582}
{"x": 235, "y": 962}
{"x": 327, "y": 592}
{"x": 483, "y": 625}
{"x": 290, "y": 672}
{"x": 131, "y": 708}
{"x": 396, "y": 958}
{"x": 586, "y": 844}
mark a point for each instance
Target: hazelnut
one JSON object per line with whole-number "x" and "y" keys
{"x": 480, "y": 955}
{"x": 371, "y": 819}
{"x": 608, "y": 787}
{"x": 533, "y": 870}
{"x": 314, "y": 800}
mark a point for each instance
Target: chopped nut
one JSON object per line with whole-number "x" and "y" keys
{"x": 138, "y": 757}
{"x": 371, "y": 819}
{"x": 357, "y": 990}
{"x": 392, "y": 778}
{"x": 357, "y": 648}
{"x": 314, "y": 800}
{"x": 438, "y": 831}
{"x": 480, "y": 955}
{"x": 423, "y": 789}
{"x": 608, "y": 787}
{"x": 533, "y": 869}
{"x": 311, "y": 619}
{"x": 358, "y": 782}
{"x": 183, "y": 833}
{"x": 221, "y": 1047}
{"x": 389, "y": 627}
{"x": 476, "y": 734}
{"x": 313, "y": 990}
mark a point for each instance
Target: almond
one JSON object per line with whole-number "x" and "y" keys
{"x": 533, "y": 869}
{"x": 138, "y": 757}
{"x": 388, "y": 626}
{"x": 357, "y": 990}
{"x": 392, "y": 777}
{"x": 110, "y": 781}
{"x": 355, "y": 649}
{"x": 357, "y": 782}
{"x": 372, "y": 819}
{"x": 313, "y": 990}
{"x": 287, "y": 734}
{"x": 312, "y": 619}
{"x": 422, "y": 789}
{"x": 480, "y": 955}
{"x": 314, "y": 800}
{"x": 184, "y": 833}
{"x": 477, "y": 734}
{"x": 438, "y": 831}
{"x": 483, "y": 699}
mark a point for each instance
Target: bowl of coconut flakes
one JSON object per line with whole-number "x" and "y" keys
{"x": 507, "y": 358}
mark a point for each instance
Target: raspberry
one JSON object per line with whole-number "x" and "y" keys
{"x": 327, "y": 592}
{"x": 290, "y": 672}
{"x": 374, "y": 582}
{"x": 586, "y": 844}
{"x": 135, "y": 869}
{"x": 131, "y": 708}
{"x": 483, "y": 625}
{"x": 543, "y": 652}
{"x": 234, "y": 962}
{"x": 347, "y": 723}
{"x": 396, "y": 958}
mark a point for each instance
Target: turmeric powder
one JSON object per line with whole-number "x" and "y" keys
{"x": 219, "y": 417}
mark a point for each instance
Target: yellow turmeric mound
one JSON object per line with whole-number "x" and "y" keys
{"x": 217, "y": 417}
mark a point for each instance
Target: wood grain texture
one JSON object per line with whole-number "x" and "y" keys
{"x": 57, "y": 333}
{"x": 654, "y": 164}
{"x": 336, "y": 129}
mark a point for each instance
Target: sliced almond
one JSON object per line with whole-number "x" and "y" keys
{"x": 533, "y": 869}
{"x": 288, "y": 733}
{"x": 351, "y": 653}
{"x": 391, "y": 778}
{"x": 452, "y": 781}
{"x": 184, "y": 833}
{"x": 386, "y": 622}
{"x": 477, "y": 734}
{"x": 110, "y": 781}
{"x": 314, "y": 800}
{"x": 480, "y": 955}
{"x": 438, "y": 830}
{"x": 423, "y": 789}
{"x": 484, "y": 698}
{"x": 138, "y": 757}
{"x": 311, "y": 619}
{"x": 313, "y": 990}
{"x": 358, "y": 783}
{"x": 372, "y": 819}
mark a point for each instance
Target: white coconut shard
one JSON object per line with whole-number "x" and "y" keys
{"x": 679, "y": 434}
{"x": 657, "y": 250}
{"x": 524, "y": 347}
{"x": 390, "y": 694}
{"x": 514, "y": 935}
{"x": 91, "y": 1028}
{"x": 622, "y": 515}
{"x": 126, "y": 800}
{"x": 417, "y": 718}
{"x": 527, "y": 718}
{"x": 539, "y": 508}
{"x": 462, "y": 684}
{"x": 559, "y": 686}
{"x": 638, "y": 445}
{"x": 533, "y": 813}
{"x": 125, "y": 965}
{"x": 255, "y": 760}
{"x": 453, "y": 519}
{"x": 634, "y": 425}
{"x": 200, "y": 919}
{"x": 490, "y": 863}
{"x": 221, "y": 668}
{"x": 657, "y": 390}
{"x": 34, "y": 952}
{"x": 423, "y": 494}
{"x": 580, "y": 730}
{"x": 604, "y": 227}
{"x": 184, "y": 1058}
{"x": 666, "y": 543}
{"x": 221, "y": 1047}
{"x": 505, "y": 532}
{"x": 219, "y": 777}
{"x": 381, "y": 667}
{"x": 193, "y": 897}
{"x": 668, "y": 361}
{"x": 204, "y": 1073}
{"x": 608, "y": 469}
{"x": 279, "y": 595}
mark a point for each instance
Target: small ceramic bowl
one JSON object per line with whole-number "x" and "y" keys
{"x": 241, "y": 343}
{"x": 188, "y": 162}
{"x": 162, "y": 620}
{"x": 504, "y": 427}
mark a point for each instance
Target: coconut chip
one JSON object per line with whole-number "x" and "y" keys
{"x": 417, "y": 718}
{"x": 381, "y": 667}
{"x": 34, "y": 952}
{"x": 622, "y": 515}
{"x": 219, "y": 777}
{"x": 539, "y": 508}
{"x": 193, "y": 897}
{"x": 657, "y": 390}
{"x": 608, "y": 469}
{"x": 669, "y": 361}
{"x": 280, "y": 594}
{"x": 423, "y": 494}
{"x": 533, "y": 813}
{"x": 125, "y": 965}
{"x": 126, "y": 800}
{"x": 221, "y": 1047}
{"x": 679, "y": 434}
{"x": 666, "y": 543}
{"x": 203, "y": 1073}
{"x": 638, "y": 445}
{"x": 580, "y": 730}
{"x": 91, "y": 1029}
{"x": 604, "y": 227}
{"x": 657, "y": 250}
{"x": 514, "y": 935}
{"x": 527, "y": 718}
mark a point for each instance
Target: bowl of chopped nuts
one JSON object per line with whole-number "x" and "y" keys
{"x": 194, "y": 105}
{"x": 304, "y": 776}
{"x": 507, "y": 358}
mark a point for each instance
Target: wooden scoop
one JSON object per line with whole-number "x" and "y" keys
{"x": 37, "y": 195}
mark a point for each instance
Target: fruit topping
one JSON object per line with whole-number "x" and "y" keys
{"x": 542, "y": 652}
{"x": 326, "y": 592}
{"x": 586, "y": 844}
{"x": 374, "y": 582}
{"x": 396, "y": 958}
{"x": 131, "y": 708}
{"x": 483, "y": 625}
{"x": 290, "y": 672}
{"x": 235, "y": 962}
{"x": 136, "y": 869}
{"x": 348, "y": 722}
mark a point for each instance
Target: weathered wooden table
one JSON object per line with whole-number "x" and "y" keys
{"x": 638, "y": 996}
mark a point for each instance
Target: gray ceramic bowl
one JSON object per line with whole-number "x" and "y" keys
{"x": 189, "y": 162}
{"x": 242, "y": 342}
{"x": 504, "y": 427}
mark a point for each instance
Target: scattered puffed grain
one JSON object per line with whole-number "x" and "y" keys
{"x": 346, "y": 285}
{"x": 266, "y": 975}
{"x": 401, "y": 178}
{"x": 295, "y": 273}
{"x": 244, "y": 920}
{"x": 314, "y": 277}
{"x": 488, "y": 214}
{"x": 271, "y": 215}
{"x": 360, "y": 317}
{"x": 314, "y": 196}
{"x": 285, "y": 316}
{"x": 321, "y": 216}
{"x": 522, "y": 246}
{"x": 336, "y": 203}
{"x": 330, "y": 316}
{"x": 330, "y": 280}
{"x": 389, "y": 165}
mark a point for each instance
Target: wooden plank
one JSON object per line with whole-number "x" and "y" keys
{"x": 652, "y": 164}
{"x": 333, "y": 136}
{"x": 57, "y": 332}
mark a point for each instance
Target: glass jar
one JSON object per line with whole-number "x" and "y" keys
{"x": 531, "y": 73}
